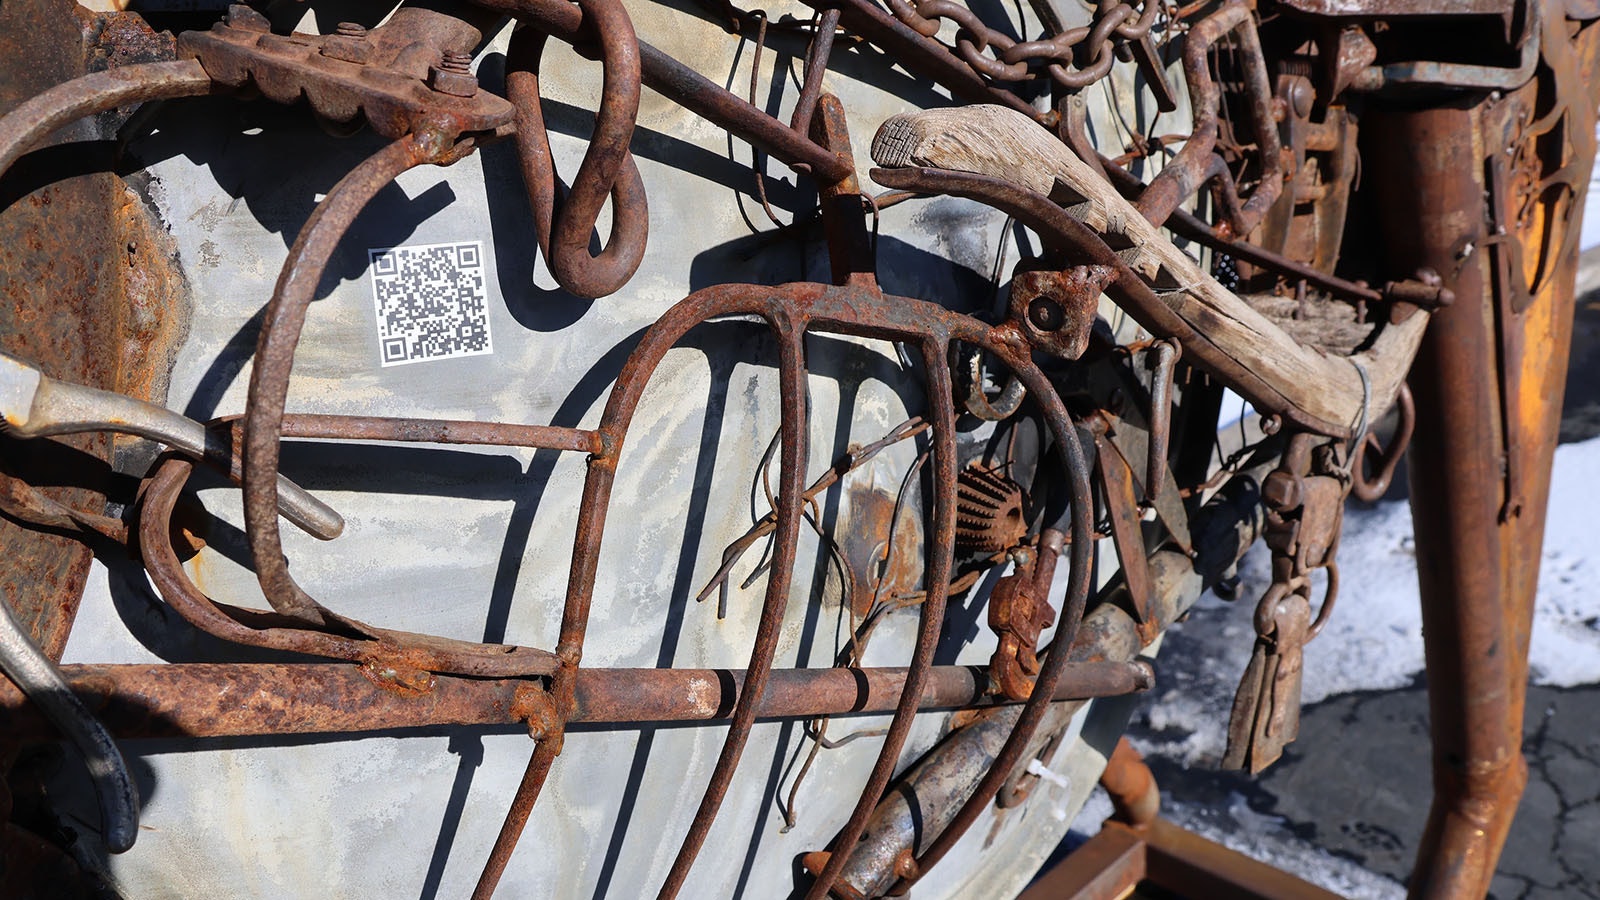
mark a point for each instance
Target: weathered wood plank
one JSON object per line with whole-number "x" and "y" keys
{"x": 1001, "y": 143}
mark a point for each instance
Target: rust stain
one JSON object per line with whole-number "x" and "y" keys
{"x": 877, "y": 569}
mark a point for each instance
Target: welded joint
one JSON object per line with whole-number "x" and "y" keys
{"x": 534, "y": 705}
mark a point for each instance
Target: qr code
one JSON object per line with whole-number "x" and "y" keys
{"x": 431, "y": 302}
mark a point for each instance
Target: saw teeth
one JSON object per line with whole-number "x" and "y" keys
{"x": 989, "y": 516}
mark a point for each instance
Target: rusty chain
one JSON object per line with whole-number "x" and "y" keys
{"x": 1074, "y": 58}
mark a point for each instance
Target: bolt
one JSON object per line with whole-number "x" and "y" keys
{"x": 350, "y": 43}
{"x": 1046, "y": 314}
{"x": 453, "y": 75}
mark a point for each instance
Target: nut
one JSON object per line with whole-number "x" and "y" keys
{"x": 454, "y": 83}
{"x": 349, "y": 43}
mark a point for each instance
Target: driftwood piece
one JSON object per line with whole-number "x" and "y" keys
{"x": 1001, "y": 143}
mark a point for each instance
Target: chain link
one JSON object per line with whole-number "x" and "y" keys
{"x": 1074, "y": 59}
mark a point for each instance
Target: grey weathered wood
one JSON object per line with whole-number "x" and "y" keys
{"x": 1002, "y": 143}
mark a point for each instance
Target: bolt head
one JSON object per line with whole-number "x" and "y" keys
{"x": 1281, "y": 491}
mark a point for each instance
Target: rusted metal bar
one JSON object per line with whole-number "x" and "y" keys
{"x": 792, "y": 457}
{"x": 1127, "y": 532}
{"x": 1081, "y": 514}
{"x": 438, "y": 431}
{"x": 209, "y": 700}
{"x": 940, "y": 547}
{"x": 1135, "y": 799}
{"x": 1165, "y": 362}
{"x": 850, "y": 250}
{"x": 817, "y": 56}
{"x": 1474, "y": 686}
{"x": 533, "y": 778}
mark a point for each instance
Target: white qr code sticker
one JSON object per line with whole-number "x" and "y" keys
{"x": 431, "y": 302}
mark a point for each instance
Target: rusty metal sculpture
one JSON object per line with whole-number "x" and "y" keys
{"x": 1482, "y": 286}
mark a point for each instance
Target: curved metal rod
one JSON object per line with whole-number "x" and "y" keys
{"x": 284, "y": 318}
{"x": 1196, "y": 164}
{"x": 791, "y": 488}
{"x": 27, "y": 665}
{"x": 969, "y": 362}
{"x": 608, "y": 168}
{"x": 36, "y": 405}
{"x": 379, "y": 648}
{"x": 941, "y": 549}
{"x": 34, "y": 119}
{"x": 1371, "y": 490}
{"x": 1073, "y": 607}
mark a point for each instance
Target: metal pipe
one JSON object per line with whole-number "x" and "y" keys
{"x": 214, "y": 700}
{"x": 1477, "y": 424}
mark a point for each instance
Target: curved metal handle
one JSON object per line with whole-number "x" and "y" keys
{"x": 35, "y": 405}
{"x": 27, "y": 665}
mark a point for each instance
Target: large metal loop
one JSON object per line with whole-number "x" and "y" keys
{"x": 283, "y": 320}
{"x": 608, "y": 169}
{"x": 1371, "y": 490}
